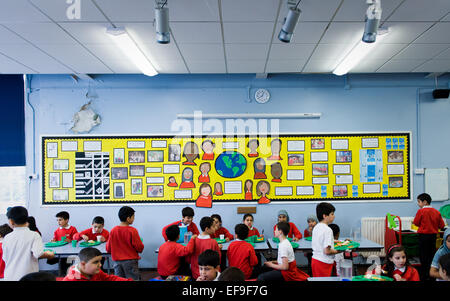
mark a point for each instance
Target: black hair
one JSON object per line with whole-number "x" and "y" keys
{"x": 390, "y": 267}
{"x": 206, "y": 222}
{"x": 125, "y": 212}
{"x": 39, "y": 276}
{"x": 98, "y": 220}
{"x": 284, "y": 227}
{"x": 209, "y": 257}
{"x": 335, "y": 228}
{"x": 247, "y": 215}
{"x": 32, "y": 224}
{"x": 63, "y": 214}
{"x": 217, "y": 216}
{"x": 18, "y": 215}
{"x": 425, "y": 197}
{"x": 187, "y": 211}
{"x": 324, "y": 208}
{"x": 4, "y": 230}
{"x": 87, "y": 254}
{"x": 241, "y": 231}
{"x": 173, "y": 232}
{"x": 232, "y": 274}
{"x": 444, "y": 263}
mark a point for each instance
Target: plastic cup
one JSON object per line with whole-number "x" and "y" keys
{"x": 99, "y": 237}
{"x": 74, "y": 243}
{"x": 222, "y": 236}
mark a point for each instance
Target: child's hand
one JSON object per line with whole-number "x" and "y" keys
{"x": 227, "y": 239}
{"x": 85, "y": 237}
{"x": 398, "y": 277}
{"x": 378, "y": 270}
{"x": 194, "y": 236}
{"x": 295, "y": 239}
{"x": 201, "y": 278}
{"x": 220, "y": 246}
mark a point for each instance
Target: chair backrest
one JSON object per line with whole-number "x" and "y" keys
{"x": 392, "y": 228}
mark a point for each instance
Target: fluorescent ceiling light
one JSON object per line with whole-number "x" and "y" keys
{"x": 358, "y": 53}
{"x": 129, "y": 48}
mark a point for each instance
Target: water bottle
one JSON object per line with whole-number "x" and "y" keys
{"x": 187, "y": 237}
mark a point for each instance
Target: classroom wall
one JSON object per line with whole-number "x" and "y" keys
{"x": 135, "y": 104}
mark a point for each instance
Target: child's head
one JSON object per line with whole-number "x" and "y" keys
{"x": 444, "y": 266}
{"x": 283, "y": 216}
{"x": 5, "y": 229}
{"x": 173, "y": 233}
{"x": 17, "y": 216}
{"x": 90, "y": 261}
{"x": 217, "y": 221}
{"x": 241, "y": 231}
{"x": 126, "y": 214}
{"x": 31, "y": 223}
{"x": 325, "y": 212}
{"x": 396, "y": 257}
{"x": 336, "y": 230}
{"x": 232, "y": 274}
{"x": 209, "y": 264}
{"x": 282, "y": 229}
{"x": 97, "y": 224}
{"x": 188, "y": 215}
{"x": 38, "y": 276}
{"x": 248, "y": 220}
{"x": 207, "y": 225}
{"x": 312, "y": 220}
{"x": 62, "y": 218}
{"x": 423, "y": 199}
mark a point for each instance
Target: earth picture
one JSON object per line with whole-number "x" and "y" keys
{"x": 230, "y": 164}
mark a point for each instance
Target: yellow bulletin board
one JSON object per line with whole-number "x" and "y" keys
{"x": 222, "y": 169}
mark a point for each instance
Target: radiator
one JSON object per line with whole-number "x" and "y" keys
{"x": 372, "y": 228}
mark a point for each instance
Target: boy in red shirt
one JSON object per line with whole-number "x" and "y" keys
{"x": 124, "y": 244}
{"x": 202, "y": 243}
{"x": 219, "y": 229}
{"x": 241, "y": 254}
{"x": 89, "y": 268}
{"x": 429, "y": 221}
{"x": 64, "y": 229}
{"x": 97, "y": 232}
{"x": 188, "y": 216}
{"x": 171, "y": 253}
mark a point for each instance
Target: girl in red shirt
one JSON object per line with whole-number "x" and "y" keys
{"x": 248, "y": 221}
{"x": 397, "y": 266}
{"x": 294, "y": 233}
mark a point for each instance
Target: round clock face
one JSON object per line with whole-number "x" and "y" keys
{"x": 262, "y": 95}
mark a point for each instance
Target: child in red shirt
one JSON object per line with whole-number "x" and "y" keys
{"x": 89, "y": 268}
{"x": 248, "y": 220}
{"x": 397, "y": 266}
{"x": 294, "y": 233}
{"x": 241, "y": 254}
{"x": 188, "y": 217}
{"x": 64, "y": 229}
{"x": 219, "y": 229}
{"x": 202, "y": 243}
{"x": 429, "y": 221}
{"x": 124, "y": 244}
{"x": 171, "y": 253}
{"x": 97, "y": 232}
{"x": 4, "y": 229}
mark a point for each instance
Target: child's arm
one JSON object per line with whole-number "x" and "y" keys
{"x": 136, "y": 242}
{"x": 329, "y": 251}
{"x": 417, "y": 218}
{"x": 182, "y": 251}
{"x": 296, "y": 232}
{"x": 435, "y": 273}
{"x": 281, "y": 267}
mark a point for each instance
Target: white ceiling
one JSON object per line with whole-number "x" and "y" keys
{"x": 221, "y": 36}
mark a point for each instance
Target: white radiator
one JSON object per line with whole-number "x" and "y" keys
{"x": 372, "y": 228}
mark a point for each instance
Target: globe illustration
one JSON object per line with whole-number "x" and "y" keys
{"x": 230, "y": 164}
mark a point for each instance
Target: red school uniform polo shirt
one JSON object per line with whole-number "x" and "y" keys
{"x": 91, "y": 235}
{"x": 242, "y": 255}
{"x": 202, "y": 243}
{"x": 429, "y": 220}
{"x": 224, "y": 231}
{"x": 124, "y": 243}
{"x": 170, "y": 254}
{"x": 69, "y": 232}
{"x": 191, "y": 228}
{"x": 75, "y": 275}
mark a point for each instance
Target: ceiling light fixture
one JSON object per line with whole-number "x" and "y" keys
{"x": 129, "y": 48}
{"x": 162, "y": 23}
{"x": 289, "y": 24}
{"x": 373, "y": 17}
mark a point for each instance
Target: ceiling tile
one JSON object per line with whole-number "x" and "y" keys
{"x": 41, "y": 33}
{"x": 61, "y": 11}
{"x": 196, "y": 32}
{"x": 246, "y": 66}
{"x": 355, "y": 10}
{"x": 343, "y": 32}
{"x": 312, "y": 10}
{"x": 9, "y": 66}
{"x": 404, "y": 32}
{"x": 434, "y": 66}
{"x": 305, "y": 32}
{"x": 368, "y": 66}
{"x": 399, "y": 66}
{"x": 281, "y": 66}
{"x": 420, "y": 51}
{"x": 290, "y": 51}
{"x": 429, "y": 10}
{"x": 202, "y": 52}
{"x": 319, "y": 66}
{"x": 128, "y": 11}
{"x": 249, "y": 10}
{"x": 326, "y": 51}
{"x": 256, "y": 32}
{"x": 246, "y": 51}
{"x": 206, "y": 66}
{"x": 88, "y": 32}
{"x": 445, "y": 55}
{"x": 20, "y": 11}
{"x": 439, "y": 33}
{"x": 193, "y": 10}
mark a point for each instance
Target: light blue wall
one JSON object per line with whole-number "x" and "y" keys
{"x": 132, "y": 104}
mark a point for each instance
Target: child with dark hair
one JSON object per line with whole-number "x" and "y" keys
{"x": 4, "y": 230}
{"x": 220, "y": 230}
{"x": 285, "y": 267}
{"x": 209, "y": 265}
{"x": 124, "y": 244}
{"x": 429, "y": 221}
{"x": 444, "y": 267}
{"x": 38, "y": 276}
{"x": 96, "y": 232}
{"x": 241, "y": 254}
{"x": 443, "y": 250}
{"x": 22, "y": 248}
{"x": 397, "y": 265}
{"x": 32, "y": 225}
{"x": 248, "y": 221}
{"x": 231, "y": 274}
{"x": 89, "y": 268}
{"x": 188, "y": 216}
{"x": 171, "y": 253}
{"x": 202, "y": 243}
{"x": 64, "y": 229}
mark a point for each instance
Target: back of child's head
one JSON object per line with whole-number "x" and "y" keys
{"x": 187, "y": 211}
{"x": 4, "y": 230}
{"x": 247, "y": 215}
{"x": 39, "y": 276}
{"x": 324, "y": 208}
{"x": 63, "y": 214}
{"x": 18, "y": 214}
{"x": 98, "y": 220}
{"x": 336, "y": 230}
{"x": 232, "y": 274}
{"x": 217, "y": 217}
{"x": 424, "y": 197}
{"x": 173, "y": 233}
{"x": 241, "y": 231}
{"x": 284, "y": 227}
{"x": 206, "y": 222}
{"x": 444, "y": 263}
{"x": 209, "y": 258}
{"x": 87, "y": 254}
{"x": 125, "y": 212}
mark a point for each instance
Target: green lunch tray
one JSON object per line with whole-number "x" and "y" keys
{"x": 276, "y": 240}
{"x": 220, "y": 241}
{"x": 445, "y": 211}
{"x": 309, "y": 238}
{"x": 294, "y": 244}
{"x": 373, "y": 278}
{"x": 255, "y": 239}
{"x": 54, "y": 244}
{"x": 351, "y": 245}
{"x": 85, "y": 244}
